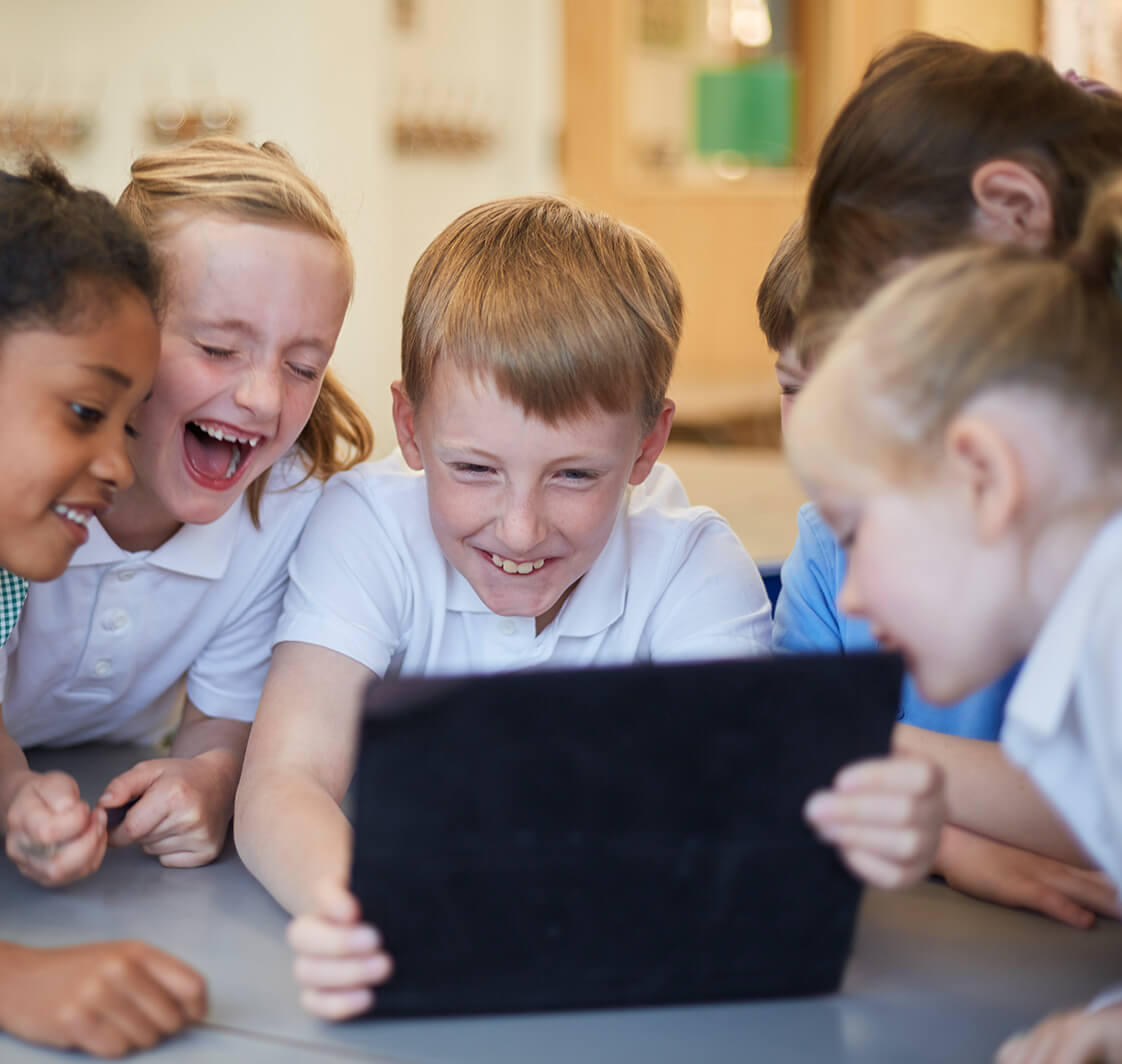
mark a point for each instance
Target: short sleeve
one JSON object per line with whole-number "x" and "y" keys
{"x": 348, "y": 585}
{"x": 715, "y": 604}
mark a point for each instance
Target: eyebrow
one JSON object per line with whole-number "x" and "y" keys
{"x": 111, "y": 372}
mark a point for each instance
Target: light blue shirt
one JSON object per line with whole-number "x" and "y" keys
{"x": 807, "y": 619}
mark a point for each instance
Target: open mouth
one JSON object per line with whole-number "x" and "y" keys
{"x": 217, "y": 454}
{"x": 79, "y": 517}
{"x": 508, "y": 565}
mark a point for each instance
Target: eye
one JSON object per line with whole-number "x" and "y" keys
{"x": 132, "y": 433}
{"x": 578, "y": 476}
{"x": 89, "y": 416}
{"x": 305, "y": 372}
{"x": 216, "y": 352}
{"x": 471, "y": 468}
{"x": 790, "y": 389}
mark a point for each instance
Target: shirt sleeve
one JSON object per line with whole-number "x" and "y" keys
{"x": 806, "y": 614}
{"x": 349, "y": 588}
{"x": 715, "y": 605}
{"x": 227, "y": 677}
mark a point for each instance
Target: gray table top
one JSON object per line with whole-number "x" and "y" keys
{"x": 934, "y": 976}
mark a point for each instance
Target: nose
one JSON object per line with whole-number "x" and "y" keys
{"x": 112, "y": 466}
{"x": 259, "y": 391}
{"x": 522, "y": 524}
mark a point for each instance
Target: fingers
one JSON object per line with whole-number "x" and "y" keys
{"x": 48, "y": 810}
{"x": 884, "y": 815}
{"x": 64, "y": 863}
{"x": 185, "y": 984}
{"x": 338, "y": 959}
{"x": 130, "y": 784}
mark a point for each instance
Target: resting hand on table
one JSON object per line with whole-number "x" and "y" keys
{"x": 182, "y": 811}
{"x": 884, "y": 815}
{"x": 106, "y": 998}
{"x": 1008, "y": 875}
{"x": 1079, "y": 1037}
{"x": 338, "y": 957}
{"x": 52, "y": 835}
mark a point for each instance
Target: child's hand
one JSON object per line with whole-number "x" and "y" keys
{"x": 52, "y": 835}
{"x": 106, "y": 998}
{"x": 884, "y": 816}
{"x": 182, "y": 811}
{"x": 338, "y": 958}
{"x": 1069, "y": 1038}
{"x": 1019, "y": 878}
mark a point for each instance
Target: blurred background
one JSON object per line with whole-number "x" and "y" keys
{"x": 695, "y": 120}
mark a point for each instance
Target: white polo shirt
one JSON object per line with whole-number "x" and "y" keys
{"x": 106, "y": 650}
{"x": 1063, "y": 721}
{"x": 369, "y": 580}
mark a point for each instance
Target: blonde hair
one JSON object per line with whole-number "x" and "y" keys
{"x": 262, "y": 184}
{"x": 564, "y": 308}
{"x": 968, "y": 322}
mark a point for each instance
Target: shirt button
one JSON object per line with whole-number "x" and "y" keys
{"x": 126, "y": 575}
{"x": 103, "y": 667}
{"x": 507, "y": 627}
{"x": 114, "y": 620}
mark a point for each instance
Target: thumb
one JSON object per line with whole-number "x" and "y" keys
{"x": 129, "y": 785}
{"x": 57, "y": 791}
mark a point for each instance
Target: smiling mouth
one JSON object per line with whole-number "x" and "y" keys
{"x": 79, "y": 517}
{"x": 217, "y": 453}
{"x": 510, "y": 566}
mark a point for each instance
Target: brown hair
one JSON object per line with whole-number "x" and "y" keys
{"x": 562, "y": 306}
{"x": 228, "y": 176}
{"x": 781, "y": 291}
{"x": 971, "y": 321}
{"x": 893, "y": 178}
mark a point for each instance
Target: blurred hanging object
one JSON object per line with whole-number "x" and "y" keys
{"x": 746, "y": 22}
{"x": 173, "y": 121}
{"x": 1086, "y": 36}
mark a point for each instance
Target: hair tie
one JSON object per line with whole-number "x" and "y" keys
{"x": 1090, "y": 85}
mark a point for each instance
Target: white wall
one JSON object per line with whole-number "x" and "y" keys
{"x": 324, "y": 78}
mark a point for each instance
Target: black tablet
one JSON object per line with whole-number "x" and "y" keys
{"x": 611, "y": 836}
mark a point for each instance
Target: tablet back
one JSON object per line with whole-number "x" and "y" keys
{"x": 607, "y": 837}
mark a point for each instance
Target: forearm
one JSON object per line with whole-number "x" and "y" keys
{"x": 291, "y": 834}
{"x": 990, "y": 796}
{"x": 216, "y": 740}
{"x": 14, "y": 771}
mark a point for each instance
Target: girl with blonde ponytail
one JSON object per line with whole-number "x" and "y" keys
{"x": 179, "y": 587}
{"x": 963, "y": 438}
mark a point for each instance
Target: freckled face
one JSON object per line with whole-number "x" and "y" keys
{"x": 520, "y": 507}
{"x": 65, "y": 403}
{"x": 253, "y": 313}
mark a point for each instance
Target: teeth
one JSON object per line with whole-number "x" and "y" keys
{"x": 77, "y": 516}
{"x": 235, "y": 458}
{"x": 226, "y": 437}
{"x": 508, "y": 566}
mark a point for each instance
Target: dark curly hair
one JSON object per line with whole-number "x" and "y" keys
{"x": 64, "y": 252}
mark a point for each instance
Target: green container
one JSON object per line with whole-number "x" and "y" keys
{"x": 747, "y": 111}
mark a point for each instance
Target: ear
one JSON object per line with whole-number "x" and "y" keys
{"x": 1014, "y": 205}
{"x": 988, "y": 465}
{"x": 404, "y": 422}
{"x": 652, "y": 444}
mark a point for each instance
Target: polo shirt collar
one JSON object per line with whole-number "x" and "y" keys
{"x": 195, "y": 550}
{"x": 1043, "y": 689}
{"x": 598, "y": 600}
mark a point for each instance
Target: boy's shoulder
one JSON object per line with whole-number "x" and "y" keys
{"x": 382, "y": 482}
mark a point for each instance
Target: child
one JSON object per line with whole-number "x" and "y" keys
{"x": 178, "y": 590}
{"x": 963, "y": 440}
{"x": 78, "y": 348}
{"x": 537, "y": 346}
{"x": 887, "y": 190}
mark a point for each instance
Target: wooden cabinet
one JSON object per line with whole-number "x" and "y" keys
{"x": 720, "y": 234}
